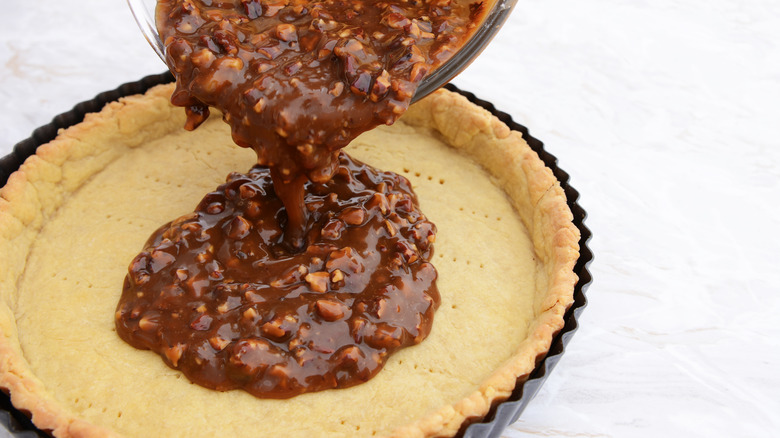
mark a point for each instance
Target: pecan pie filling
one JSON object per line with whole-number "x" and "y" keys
{"x": 222, "y": 300}
{"x": 308, "y": 271}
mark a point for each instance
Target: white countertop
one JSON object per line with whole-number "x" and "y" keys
{"x": 667, "y": 116}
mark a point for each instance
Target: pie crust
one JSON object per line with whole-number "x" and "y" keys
{"x": 76, "y": 213}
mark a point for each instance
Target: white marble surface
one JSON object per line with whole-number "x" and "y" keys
{"x": 665, "y": 113}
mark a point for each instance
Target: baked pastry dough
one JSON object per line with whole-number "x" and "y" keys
{"x": 76, "y": 213}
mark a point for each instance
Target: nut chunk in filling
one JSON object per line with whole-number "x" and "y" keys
{"x": 218, "y": 295}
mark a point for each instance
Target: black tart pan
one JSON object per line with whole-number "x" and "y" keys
{"x": 501, "y": 415}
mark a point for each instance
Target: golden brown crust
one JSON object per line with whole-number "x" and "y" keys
{"x": 34, "y": 193}
{"x": 31, "y": 195}
{"x": 539, "y": 199}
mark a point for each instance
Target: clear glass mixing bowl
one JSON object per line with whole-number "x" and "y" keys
{"x": 143, "y": 11}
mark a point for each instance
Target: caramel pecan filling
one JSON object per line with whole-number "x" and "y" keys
{"x": 217, "y": 294}
{"x": 304, "y": 274}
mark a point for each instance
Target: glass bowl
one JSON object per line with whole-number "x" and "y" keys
{"x": 499, "y": 10}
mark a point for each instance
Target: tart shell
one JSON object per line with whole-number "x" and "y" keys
{"x": 517, "y": 170}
